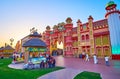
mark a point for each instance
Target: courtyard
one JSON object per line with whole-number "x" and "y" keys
{"x": 74, "y": 66}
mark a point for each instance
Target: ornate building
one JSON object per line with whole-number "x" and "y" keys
{"x": 92, "y": 37}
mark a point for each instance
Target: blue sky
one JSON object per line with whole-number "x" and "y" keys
{"x": 17, "y": 17}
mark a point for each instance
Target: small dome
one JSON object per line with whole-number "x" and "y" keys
{"x": 79, "y": 21}
{"x": 109, "y": 4}
{"x": 48, "y": 28}
{"x": 55, "y": 27}
{"x": 90, "y": 17}
{"x": 68, "y": 20}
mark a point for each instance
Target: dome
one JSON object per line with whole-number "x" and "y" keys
{"x": 34, "y": 42}
{"x": 8, "y": 47}
{"x": 79, "y": 21}
{"x": 48, "y": 28}
{"x": 109, "y": 4}
{"x": 68, "y": 20}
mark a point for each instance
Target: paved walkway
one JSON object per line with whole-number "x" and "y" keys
{"x": 76, "y": 65}
{"x": 73, "y": 66}
{"x": 16, "y": 66}
{"x": 61, "y": 74}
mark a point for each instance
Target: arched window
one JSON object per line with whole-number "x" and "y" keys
{"x": 83, "y": 37}
{"x": 87, "y": 37}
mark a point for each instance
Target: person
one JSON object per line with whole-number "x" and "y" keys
{"x": 107, "y": 60}
{"x": 2, "y": 56}
{"x": 30, "y": 65}
{"x": 95, "y": 59}
{"x": 80, "y": 56}
{"x": 42, "y": 64}
{"x": 87, "y": 57}
{"x": 53, "y": 62}
{"x": 83, "y": 55}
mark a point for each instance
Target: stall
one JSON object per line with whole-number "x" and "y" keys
{"x": 35, "y": 49}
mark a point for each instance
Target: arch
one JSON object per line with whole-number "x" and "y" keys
{"x": 87, "y": 37}
{"x": 83, "y": 37}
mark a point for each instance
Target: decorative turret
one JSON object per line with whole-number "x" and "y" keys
{"x": 68, "y": 37}
{"x": 68, "y": 20}
{"x": 111, "y": 8}
{"x": 55, "y": 27}
{"x": 110, "y": 5}
{"x": 90, "y": 25}
{"x": 48, "y": 28}
{"x": 113, "y": 16}
{"x": 47, "y": 38}
{"x": 69, "y": 23}
{"x": 79, "y": 22}
{"x": 79, "y": 25}
{"x": 90, "y": 18}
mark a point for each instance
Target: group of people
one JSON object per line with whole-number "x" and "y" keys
{"x": 95, "y": 59}
{"x": 17, "y": 57}
{"x": 48, "y": 63}
{"x": 106, "y": 58}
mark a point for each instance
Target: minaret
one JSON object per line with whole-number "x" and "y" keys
{"x": 113, "y": 16}
{"x": 68, "y": 37}
{"x": 90, "y": 24}
{"x": 47, "y": 39}
{"x": 79, "y": 25}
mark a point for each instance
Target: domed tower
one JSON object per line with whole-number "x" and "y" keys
{"x": 47, "y": 38}
{"x": 113, "y": 16}
{"x": 68, "y": 37}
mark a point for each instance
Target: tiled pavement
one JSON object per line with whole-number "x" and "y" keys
{"x": 61, "y": 74}
{"x": 73, "y": 66}
{"x": 76, "y": 65}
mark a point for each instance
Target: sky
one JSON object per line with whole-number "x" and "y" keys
{"x": 17, "y": 17}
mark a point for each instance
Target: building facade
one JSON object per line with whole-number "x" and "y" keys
{"x": 92, "y": 37}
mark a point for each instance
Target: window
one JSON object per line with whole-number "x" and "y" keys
{"x": 87, "y": 37}
{"x": 83, "y": 37}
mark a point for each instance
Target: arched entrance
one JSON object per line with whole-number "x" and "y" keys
{"x": 59, "y": 49}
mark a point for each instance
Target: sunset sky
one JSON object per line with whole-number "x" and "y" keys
{"x": 17, "y": 17}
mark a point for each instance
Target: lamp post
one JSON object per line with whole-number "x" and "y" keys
{"x": 11, "y": 41}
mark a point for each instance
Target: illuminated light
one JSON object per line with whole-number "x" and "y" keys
{"x": 36, "y": 49}
{"x": 60, "y": 45}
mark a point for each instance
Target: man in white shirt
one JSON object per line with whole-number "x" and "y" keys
{"x": 107, "y": 60}
{"x": 95, "y": 59}
{"x": 87, "y": 57}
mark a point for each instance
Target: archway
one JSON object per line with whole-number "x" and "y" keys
{"x": 59, "y": 50}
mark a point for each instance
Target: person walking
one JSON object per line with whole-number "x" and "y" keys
{"x": 95, "y": 59}
{"x": 87, "y": 57}
{"x": 107, "y": 60}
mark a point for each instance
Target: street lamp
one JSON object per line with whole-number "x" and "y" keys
{"x": 11, "y": 41}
